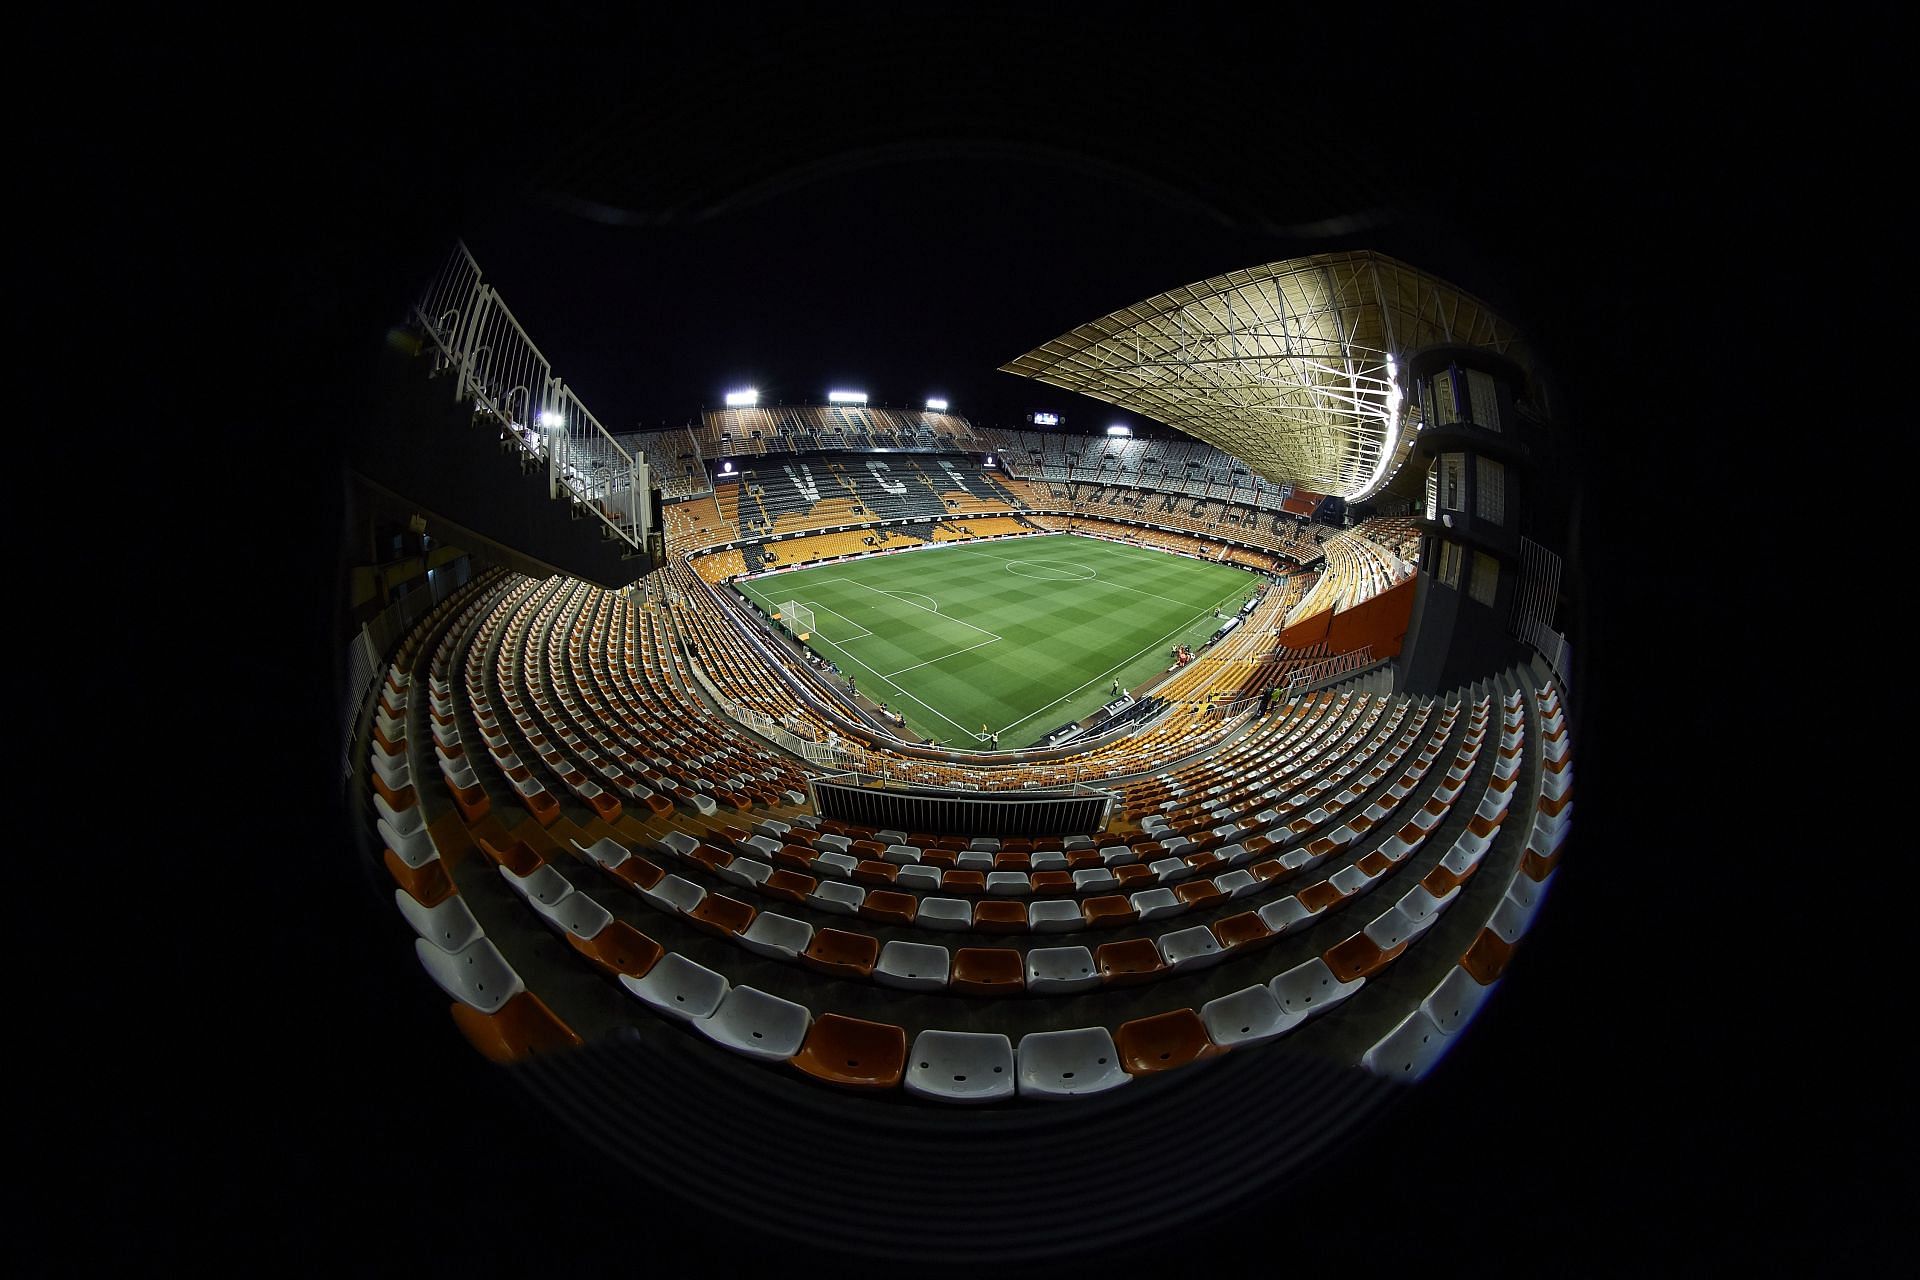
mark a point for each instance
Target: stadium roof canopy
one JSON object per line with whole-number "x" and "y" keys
{"x": 1289, "y": 366}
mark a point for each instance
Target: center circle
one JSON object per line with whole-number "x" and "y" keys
{"x": 1060, "y": 572}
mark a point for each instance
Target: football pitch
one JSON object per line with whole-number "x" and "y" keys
{"x": 1018, "y": 634}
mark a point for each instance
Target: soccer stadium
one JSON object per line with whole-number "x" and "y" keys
{"x": 856, "y": 768}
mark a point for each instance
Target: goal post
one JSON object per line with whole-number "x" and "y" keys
{"x": 798, "y": 618}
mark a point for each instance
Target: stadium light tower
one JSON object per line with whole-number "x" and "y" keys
{"x": 939, "y": 406}
{"x": 846, "y": 397}
{"x": 745, "y": 398}
{"x": 1119, "y": 429}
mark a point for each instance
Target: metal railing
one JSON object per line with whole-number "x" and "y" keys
{"x": 497, "y": 366}
{"x": 1327, "y": 668}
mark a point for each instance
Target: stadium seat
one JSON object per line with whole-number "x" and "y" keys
{"x": 915, "y": 966}
{"x": 841, "y": 954}
{"x": 1409, "y": 1051}
{"x": 618, "y": 949}
{"x": 961, "y": 1066}
{"x": 1453, "y": 1003}
{"x": 522, "y": 1027}
{"x": 1128, "y": 962}
{"x": 853, "y": 1053}
{"x": 476, "y": 975}
{"x": 1310, "y": 988}
{"x": 987, "y": 971}
{"x": 1191, "y": 948}
{"x": 678, "y": 987}
{"x": 1163, "y": 1042}
{"x": 1056, "y": 1065}
{"x": 448, "y": 924}
{"x": 1249, "y": 1016}
{"x": 1060, "y": 970}
{"x": 753, "y": 1023}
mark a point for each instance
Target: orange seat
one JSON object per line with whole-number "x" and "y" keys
{"x": 544, "y": 808}
{"x": 1199, "y": 893}
{"x": 1133, "y": 873}
{"x": 1359, "y": 957}
{"x": 618, "y": 948}
{"x": 1375, "y": 864}
{"x": 1052, "y": 882}
{"x": 1269, "y": 870}
{"x": 795, "y": 857}
{"x": 521, "y": 1028}
{"x": 639, "y": 872}
{"x": 790, "y": 885}
{"x": 853, "y": 1052}
{"x": 1124, "y": 963}
{"x": 1487, "y": 958}
{"x": 429, "y": 886}
{"x": 1537, "y": 868}
{"x": 718, "y": 914}
{"x": 1244, "y": 930}
{"x": 659, "y": 804}
{"x": 987, "y": 971}
{"x": 605, "y": 806}
{"x": 517, "y": 857}
{"x": 1081, "y": 859}
{"x": 890, "y": 905}
{"x": 1012, "y": 862}
{"x": 1108, "y": 910}
{"x": 709, "y": 857}
{"x": 964, "y": 881}
{"x": 999, "y": 915}
{"x": 1442, "y": 881}
{"x": 869, "y": 871}
{"x": 937, "y": 857}
{"x": 1163, "y": 1042}
{"x": 842, "y": 954}
{"x": 401, "y": 799}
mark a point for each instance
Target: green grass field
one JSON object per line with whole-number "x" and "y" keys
{"x": 1021, "y": 634}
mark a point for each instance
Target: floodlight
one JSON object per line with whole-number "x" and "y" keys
{"x": 548, "y": 418}
{"x": 938, "y": 405}
{"x": 846, "y": 397}
{"x": 1119, "y": 429}
{"x": 743, "y": 399}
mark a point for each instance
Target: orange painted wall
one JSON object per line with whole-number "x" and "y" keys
{"x": 1380, "y": 622}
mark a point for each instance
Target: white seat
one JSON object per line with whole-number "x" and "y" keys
{"x": 944, "y": 913}
{"x": 974, "y": 860}
{"x": 1049, "y": 861}
{"x": 918, "y": 877}
{"x": 673, "y": 893}
{"x": 751, "y": 1022}
{"x": 393, "y": 770}
{"x": 1059, "y": 970}
{"x": 1421, "y": 906}
{"x": 1009, "y": 883}
{"x": 1233, "y": 854}
{"x": 900, "y": 855}
{"x": 1409, "y": 1051}
{"x": 448, "y": 926}
{"x": 835, "y": 864}
{"x": 1310, "y": 988}
{"x": 985, "y": 844}
{"x": 765, "y": 844}
{"x": 834, "y": 841}
{"x": 606, "y": 852}
{"x": 1087, "y": 879}
{"x": 576, "y": 913}
{"x": 961, "y": 1066}
{"x": 704, "y": 805}
{"x": 1394, "y": 926}
{"x": 678, "y": 987}
{"x": 681, "y": 843}
{"x": 750, "y": 872}
{"x": 1194, "y": 948}
{"x": 543, "y": 884}
{"x": 476, "y": 975}
{"x": 1249, "y": 1016}
{"x": 1073, "y": 843}
{"x": 1456, "y": 1000}
{"x": 1152, "y": 904}
{"x": 776, "y": 936}
{"x": 416, "y": 849}
{"x": 1054, "y": 1065}
{"x": 843, "y": 899}
{"x": 1351, "y": 880}
{"x": 406, "y": 821}
{"x": 1054, "y": 915}
{"x": 1117, "y": 855}
{"x": 1283, "y": 914}
{"x": 914, "y": 966}
{"x": 1166, "y": 869}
